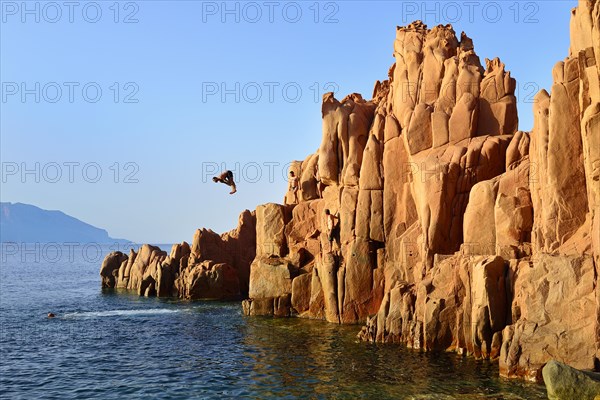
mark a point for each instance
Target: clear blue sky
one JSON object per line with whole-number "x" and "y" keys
{"x": 173, "y": 58}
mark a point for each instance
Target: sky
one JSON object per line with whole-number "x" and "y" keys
{"x": 119, "y": 113}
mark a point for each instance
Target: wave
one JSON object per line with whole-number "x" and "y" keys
{"x": 120, "y": 313}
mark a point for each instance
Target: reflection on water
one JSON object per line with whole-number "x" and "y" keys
{"x": 299, "y": 358}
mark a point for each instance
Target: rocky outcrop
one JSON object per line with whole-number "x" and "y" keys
{"x": 214, "y": 267}
{"x": 565, "y": 383}
{"x": 459, "y": 305}
{"x": 271, "y": 273}
{"x": 208, "y": 280}
{"x": 457, "y": 231}
{"x": 109, "y": 271}
{"x": 499, "y": 215}
{"x": 556, "y": 306}
{"x": 398, "y": 170}
{"x": 345, "y": 128}
{"x": 554, "y": 313}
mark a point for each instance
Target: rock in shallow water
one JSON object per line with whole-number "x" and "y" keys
{"x": 566, "y": 383}
{"x": 213, "y": 267}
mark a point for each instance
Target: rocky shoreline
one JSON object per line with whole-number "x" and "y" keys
{"x": 457, "y": 232}
{"x": 213, "y": 267}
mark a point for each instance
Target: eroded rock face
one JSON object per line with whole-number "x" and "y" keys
{"x": 270, "y": 278}
{"x": 554, "y": 313}
{"x": 499, "y": 214}
{"x": 461, "y": 304}
{"x": 345, "y": 128}
{"x": 456, "y": 231}
{"x": 213, "y": 267}
{"x": 270, "y": 238}
{"x": 454, "y": 224}
{"x": 497, "y": 102}
{"x": 398, "y": 171}
{"x": 110, "y": 268}
{"x": 208, "y": 280}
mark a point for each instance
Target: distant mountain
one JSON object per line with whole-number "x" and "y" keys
{"x": 26, "y": 223}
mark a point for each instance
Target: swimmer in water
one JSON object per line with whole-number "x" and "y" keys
{"x": 51, "y": 315}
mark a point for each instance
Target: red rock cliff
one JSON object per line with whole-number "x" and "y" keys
{"x": 457, "y": 232}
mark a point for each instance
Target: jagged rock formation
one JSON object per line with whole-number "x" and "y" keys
{"x": 400, "y": 194}
{"x": 215, "y": 267}
{"x": 557, "y": 296}
{"x": 456, "y": 231}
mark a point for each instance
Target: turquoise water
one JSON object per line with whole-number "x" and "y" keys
{"x": 114, "y": 345}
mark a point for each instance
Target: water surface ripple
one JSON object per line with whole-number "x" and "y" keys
{"x": 116, "y": 345}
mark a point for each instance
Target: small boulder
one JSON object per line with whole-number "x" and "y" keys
{"x": 566, "y": 383}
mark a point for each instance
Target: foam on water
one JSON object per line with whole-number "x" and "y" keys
{"x": 121, "y": 313}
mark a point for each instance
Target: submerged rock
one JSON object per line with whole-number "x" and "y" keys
{"x": 567, "y": 383}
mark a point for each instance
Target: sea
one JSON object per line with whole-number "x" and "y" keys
{"x": 114, "y": 344}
